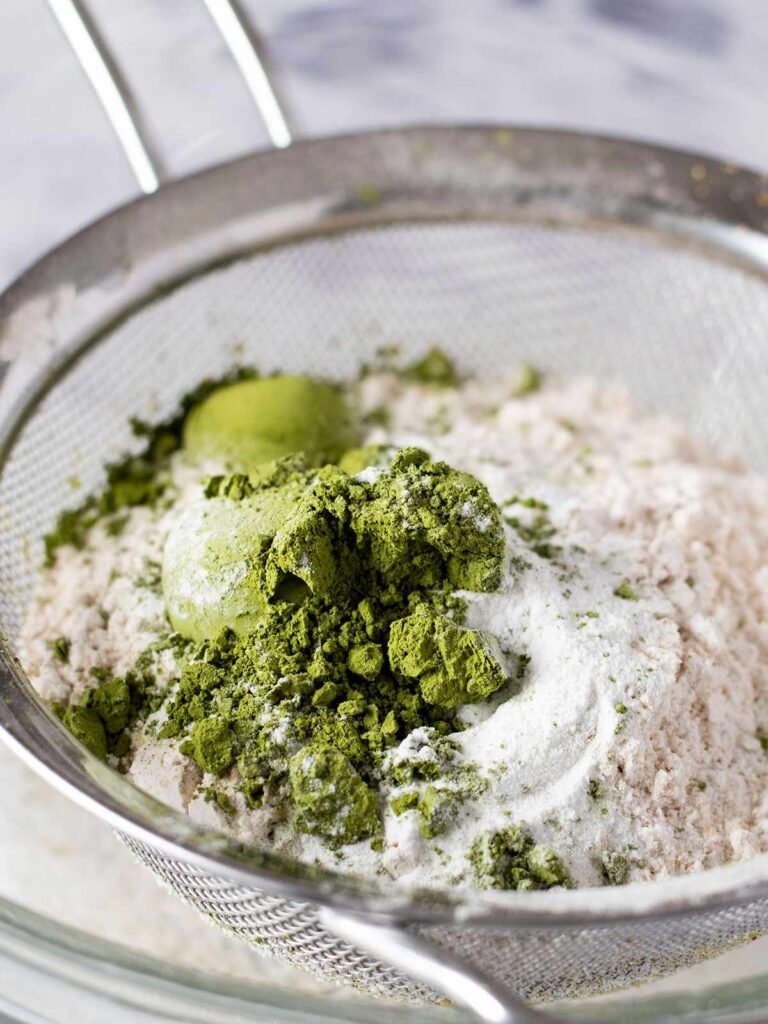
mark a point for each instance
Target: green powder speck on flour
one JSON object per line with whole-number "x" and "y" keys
{"x": 510, "y": 859}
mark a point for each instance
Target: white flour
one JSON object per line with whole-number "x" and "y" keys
{"x": 636, "y": 733}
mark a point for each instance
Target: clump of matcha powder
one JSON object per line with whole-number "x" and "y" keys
{"x": 313, "y": 601}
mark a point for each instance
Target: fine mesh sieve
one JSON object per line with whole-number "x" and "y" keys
{"x": 537, "y": 250}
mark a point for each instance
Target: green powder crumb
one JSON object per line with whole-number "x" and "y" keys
{"x": 60, "y": 648}
{"x": 626, "y": 591}
{"x": 403, "y": 802}
{"x": 763, "y": 739}
{"x": 102, "y": 720}
{"x": 434, "y": 368}
{"x": 453, "y": 665}
{"x": 615, "y": 867}
{"x": 450, "y": 784}
{"x": 536, "y": 534}
{"x": 536, "y": 531}
{"x": 330, "y": 797}
{"x": 210, "y": 745}
{"x": 112, "y": 703}
{"x": 523, "y": 661}
{"x": 405, "y": 770}
{"x": 366, "y": 660}
{"x": 621, "y": 709}
{"x": 71, "y": 530}
{"x": 115, "y": 525}
{"x": 215, "y": 795}
{"x": 529, "y": 380}
{"x": 86, "y": 726}
{"x": 424, "y": 524}
{"x": 595, "y": 790}
{"x": 436, "y": 808}
{"x": 326, "y": 694}
{"x": 510, "y": 859}
{"x": 527, "y": 503}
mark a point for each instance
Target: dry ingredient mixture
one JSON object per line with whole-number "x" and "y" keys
{"x": 506, "y": 633}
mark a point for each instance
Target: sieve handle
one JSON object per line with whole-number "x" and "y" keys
{"x": 113, "y": 91}
{"x": 434, "y": 966}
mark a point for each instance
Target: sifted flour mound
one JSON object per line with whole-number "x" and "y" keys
{"x": 636, "y": 585}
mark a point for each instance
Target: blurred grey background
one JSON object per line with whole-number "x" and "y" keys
{"x": 691, "y": 73}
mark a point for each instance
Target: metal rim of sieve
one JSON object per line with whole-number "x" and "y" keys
{"x": 113, "y": 267}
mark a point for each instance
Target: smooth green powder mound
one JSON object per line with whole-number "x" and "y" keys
{"x": 255, "y": 421}
{"x": 213, "y": 561}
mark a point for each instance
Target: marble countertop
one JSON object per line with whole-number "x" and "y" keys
{"x": 690, "y": 73}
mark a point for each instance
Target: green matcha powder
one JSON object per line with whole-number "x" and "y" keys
{"x": 317, "y": 624}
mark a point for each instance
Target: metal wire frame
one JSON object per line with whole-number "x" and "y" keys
{"x": 113, "y": 91}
